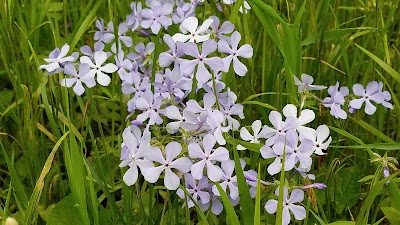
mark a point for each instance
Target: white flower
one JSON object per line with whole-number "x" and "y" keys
{"x": 100, "y": 57}
{"x": 306, "y": 116}
{"x": 253, "y": 138}
{"x": 320, "y": 139}
{"x": 196, "y": 34}
{"x": 56, "y": 59}
{"x": 78, "y": 79}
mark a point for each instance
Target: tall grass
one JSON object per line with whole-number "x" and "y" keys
{"x": 59, "y": 153}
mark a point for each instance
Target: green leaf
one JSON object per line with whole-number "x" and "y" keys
{"x": 392, "y": 215}
{"x": 65, "y": 212}
{"x": 380, "y": 146}
{"x": 381, "y": 63}
{"x": 342, "y": 223}
{"x": 231, "y": 216}
{"x": 255, "y": 147}
{"x": 257, "y": 212}
{"x": 346, "y": 189}
{"x": 372, "y": 130}
{"x": 331, "y": 35}
{"x": 268, "y": 106}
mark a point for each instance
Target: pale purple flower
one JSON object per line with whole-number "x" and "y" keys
{"x": 299, "y": 212}
{"x": 98, "y": 69}
{"x": 173, "y": 113}
{"x": 194, "y": 122}
{"x": 233, "y": 110}
{"x": 167, "y": 163}
{"x": 122, "y": 38}
{"x": 228, "y": 180}
{"x": 319, "y": 186}
{"x": 304, "y": 172}
{"x": 142, "y": 51}
{"x": 321, "y": 140}
{"x": 202, "y": 74}
{"x": 336, "y": 101}
{"x": 57, "y": 59}
{"x": 135, "y": 84}
{"x": 124, "y": 65}
{"x": 279, "y": 128}
{"x": 231, "y": 49}
{"x": 207, "y": 156}
{"x": 168, "y": 88}
{"x": 103, "y": 34}
{"x": 183, "y": 11}
{"x": 134, "y": 147}
{"x": 83, "y": 77}
{"x": 252, "y": 138}
{"x": 191, "y": 31}
{"x": 386, "y": 173}
{"x": 297, "y": 153}
{"x": 226, "y": 28}
{"x": 150, "y": 107}
{"x": 174, "y": 55}
{"x": 209, "y": 101}
{"x": 306, "y": 83}
{"x": 156, "y": 17}
{"x": 306, "y": 116}
{"x": 216, "y": 119}
{"x": 386, "y": 97}
{"x": 198, "y": 191}
{"x": 370, "y": 93}
{"x": 86, "y": 50}
{"x": 134, "y": 19}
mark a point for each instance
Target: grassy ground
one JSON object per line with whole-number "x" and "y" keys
{"x": 54, "y": 145}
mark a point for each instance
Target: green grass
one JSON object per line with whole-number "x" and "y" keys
{"x": 59, "y": 153}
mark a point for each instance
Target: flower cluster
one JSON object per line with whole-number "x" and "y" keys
{"x": 182, "y": 139}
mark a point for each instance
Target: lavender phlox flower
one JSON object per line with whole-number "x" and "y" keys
{"x": 98, "y": 46}
{"x": 150, "y": 107}
{"x": 297, "y": 153}
{"x": 306, "y": 116}
{"x": 226, "y": 28}
{"x": 183, "y": 11}
{"x": 167, "y": 88}
{"x": 306, "y": 83}
{"x": 370, "y": 93}
{"x": 321, "y": 139}
{"x": 124, "y": 65}
{"x": 146, "y": 71}
{"x": 304, "y": 172}
{"x": 156, "y": 17}
{"x": 336, "y": 101}
{"x": 216, "y": 119}
{"x": 142, "y": 51}
{"x": 133, "y": 149}
{"x": 173, "y": 113}
{"x": 228, "y": 180}
{"x": 219, "y": 84}
{"x": 134, "y": 19}
{"x": 191, "y": 31}
{"x": 251, "y": 180}
{"x": 78, "y": 79}
{"x": 195, "y": 122}
{"x": 135, "y": 84}
{"x": 167, "y": 163}
{"x": 57, "y": 59}
{"x": 209, "y": 101}
{"x": 319, "y": 186}
{"x": 231, "y": 49}
{"x": 252, "y": 138}
{"x": 202, "y": 74}
{"x": 216, "y": 205}
{"x": 103, "y": 34}
{"x": 246, "y": 5}
{"x": 100, "y": 58}
{"x": 386, "y": 173}
{"x": 198, "y": 191}
{"x": 386, "y": 97}
{"x": 279, "y": 127}
{"x": 267, "y": 153}
{"x": 299, "y": 212}
{"x": 122, "y": 38}
{"x": 207, "y": 156}
{"x": 233, "y": 110}
{"x": 174, "y": 55}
